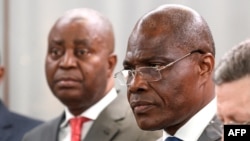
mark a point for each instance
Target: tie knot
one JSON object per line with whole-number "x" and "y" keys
{"x": 172, "y": 139}
{"x": 78, "y": 121}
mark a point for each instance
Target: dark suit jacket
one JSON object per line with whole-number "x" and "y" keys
{"x": 13, "y": 126}
{"x": 115, "y": 123}
{"x": 212, "y": 132}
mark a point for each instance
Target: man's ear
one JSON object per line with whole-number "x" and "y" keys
{"x": 112, "y": 60}
{"x": 206, "y": 65}
{"x": 1, "y": 72}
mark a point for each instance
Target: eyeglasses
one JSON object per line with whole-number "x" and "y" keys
{"x": 149, "y": 74}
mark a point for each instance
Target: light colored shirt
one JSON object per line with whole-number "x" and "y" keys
{"x": 192, "y": 130}
{"x": 92, "y": 113}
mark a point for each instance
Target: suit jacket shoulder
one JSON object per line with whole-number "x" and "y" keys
{"x": 117, "y": 123}
{"x": 13, "y": 126}
{"x": 45, "y": 132}
{"x": 213, "y": 131}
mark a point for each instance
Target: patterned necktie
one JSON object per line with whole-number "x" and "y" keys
{"x": 76, "y": 127}
{"x": 172, "y": 139}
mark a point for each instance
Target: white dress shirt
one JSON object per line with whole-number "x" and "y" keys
{"x": 91, "y": 113}
{"x": 192, "y": 130}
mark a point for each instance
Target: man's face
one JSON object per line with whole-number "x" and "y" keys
{"x": 172, "y": 100}
{"x": 233, "y": 101}
{"x": 77, "y": 64}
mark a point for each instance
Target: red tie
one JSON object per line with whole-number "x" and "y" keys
{"x": 76, "y": 127}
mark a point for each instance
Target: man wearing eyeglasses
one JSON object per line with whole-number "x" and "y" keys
{"x": 168, "y": 70}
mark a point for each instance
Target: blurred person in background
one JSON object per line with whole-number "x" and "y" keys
{"x": 232, "y": 79}
{"x": 79, "y": 67}
{"x": 13, "y": 125}
{"x": 168, "y": 70}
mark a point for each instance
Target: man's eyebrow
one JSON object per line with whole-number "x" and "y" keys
{"x": 84, "y": 42}
{"x": 148, "y": 60}
{"x": 57, "y": 41}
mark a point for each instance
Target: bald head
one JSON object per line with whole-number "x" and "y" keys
{"x": 175, "y": 25}
{"x": 97, "y": 24}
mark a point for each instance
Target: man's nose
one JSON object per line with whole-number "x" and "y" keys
{"x": 68, "y": 60}
{"x": 137, "y": 83}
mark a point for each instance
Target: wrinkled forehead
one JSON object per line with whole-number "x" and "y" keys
{"x": 149, "y": 42}
{"x": 161, "y": 33}
{"x": 66, "y": 30}
{"x": 144, "y": 50}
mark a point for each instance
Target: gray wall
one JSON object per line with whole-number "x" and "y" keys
{"x": 30, "y": 21}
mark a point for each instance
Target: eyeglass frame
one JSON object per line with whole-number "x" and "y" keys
{"x": 157, "y": 68}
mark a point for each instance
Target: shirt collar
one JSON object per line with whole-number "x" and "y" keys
{"x": 94, "y": 111}
{"x": 197, "y": 123}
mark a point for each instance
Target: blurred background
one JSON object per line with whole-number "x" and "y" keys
{"x": 24, "y": 26}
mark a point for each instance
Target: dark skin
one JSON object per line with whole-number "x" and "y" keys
{"x": 185, "y": 87}
{"x": 80, "y": 60}
{"x": 1, "y": 72}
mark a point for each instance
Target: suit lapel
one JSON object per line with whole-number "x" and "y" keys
{"x": 55, "y": 126}
{"x": 105, "y": 127}
{"x": 213, "y": 131}
{"x": 50, "y": 130}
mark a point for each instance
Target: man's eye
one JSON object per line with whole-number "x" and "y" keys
{"x": 55, "y": 52}
{"x": 155, "y": 65}
{"x": 81, "y": 52}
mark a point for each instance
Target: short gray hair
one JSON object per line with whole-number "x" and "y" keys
{"x": 235, "y": 64}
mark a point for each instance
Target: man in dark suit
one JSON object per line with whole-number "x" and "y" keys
{"x": 232, "y": 81}
{"x": 168, "y": 70}
{"x": 12, "y": 125}
{"x": 79, "y": 69}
